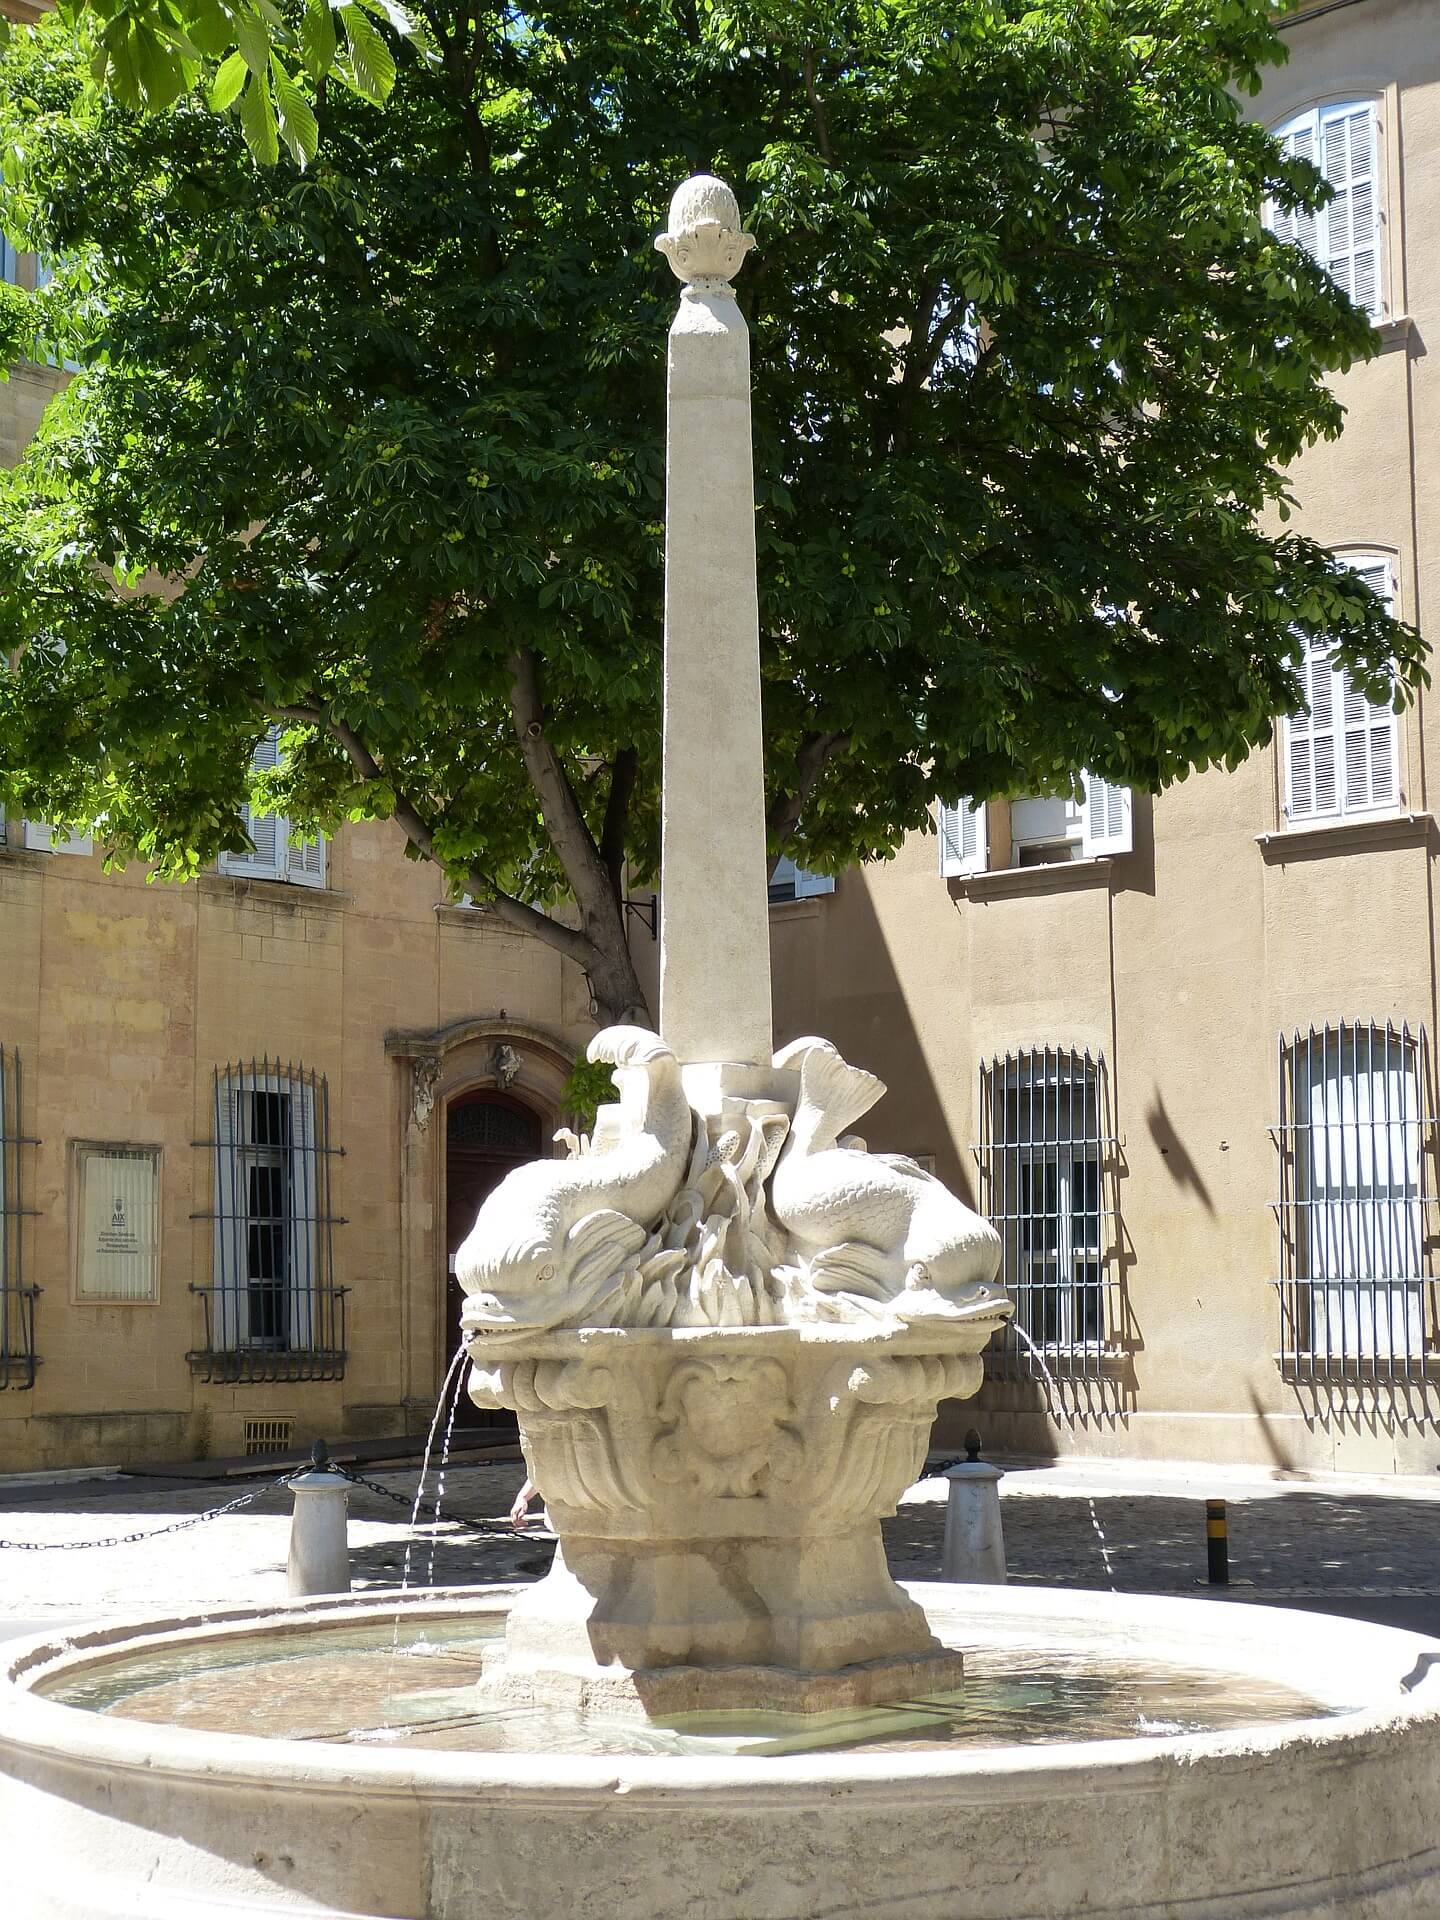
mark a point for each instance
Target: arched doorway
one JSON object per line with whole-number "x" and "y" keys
{"x": 486, "y": 1134}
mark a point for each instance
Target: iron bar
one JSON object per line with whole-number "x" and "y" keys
{"x": 1354, "y": 1210}
{"x": 272, "y": 1309}
{"x": 1048, "y": 1161}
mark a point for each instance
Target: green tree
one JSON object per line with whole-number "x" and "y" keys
{"x": 1029, "y": 370}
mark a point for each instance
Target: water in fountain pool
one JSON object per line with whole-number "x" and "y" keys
{"x": 343, "y": 1684}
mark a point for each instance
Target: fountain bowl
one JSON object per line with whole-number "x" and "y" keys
{"x": 1303, "y": 1818}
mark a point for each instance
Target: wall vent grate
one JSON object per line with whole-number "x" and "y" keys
{"x": 268, "y": 1436}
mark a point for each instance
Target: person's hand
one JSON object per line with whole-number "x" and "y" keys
{"x": 520, "y": 1510}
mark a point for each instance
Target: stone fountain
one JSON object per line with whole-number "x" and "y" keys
{"x": 725, "y": 1327}
{"x": 723, "y": 1324}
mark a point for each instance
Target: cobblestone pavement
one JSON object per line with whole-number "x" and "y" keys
{"x": 1325, "y": 1542}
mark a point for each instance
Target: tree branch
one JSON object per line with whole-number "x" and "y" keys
{"x": 785, "y": 810}
{"x": 418, "y": 831}
{"x": 617, "y": 817}
{"x": 817, "y": 110}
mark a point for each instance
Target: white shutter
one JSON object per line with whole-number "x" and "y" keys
{"x": 1106, "y": 824}
{"x": 305, "y": 860}
{"x": 268, "y": 831}
{"x": 1344, "y": 237}
{"x": 1351, "y": 221}
{"x": 807, "y": 885}
{"x": 304, "y": 1208}
{"x": 1301, "y": 141}
{"x": 228, "y": 1256}
{"x": 963, "y": 844}
{"x": 1342, "y": 754}
{"x": 1312, "y": 790}
{"x": 42, "y": 838}
{"x": 1370, "y": 733}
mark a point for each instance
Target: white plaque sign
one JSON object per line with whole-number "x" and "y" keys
{"x": 119, "y": 1222}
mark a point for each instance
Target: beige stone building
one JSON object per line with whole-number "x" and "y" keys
{"x": 1178, "y": 1047}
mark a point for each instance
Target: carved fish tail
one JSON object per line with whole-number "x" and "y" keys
{"x": 829, "y": 1084}
{"x": 627, "y": 1047}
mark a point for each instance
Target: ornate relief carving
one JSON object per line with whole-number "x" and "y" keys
{"x": 724, "y": 1428}
{"x": 424, "y": 1077}
{"x": 505, "y": 1064}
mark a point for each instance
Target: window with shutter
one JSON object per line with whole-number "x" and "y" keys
{"x": 963, "y": 840}
{"x": 41, "y": 837}
{"x": 789, "y": 882}
{"x": 1342, "y": 753}
{"x": 279, "y": 852}
{"x": 1344, "y": 237}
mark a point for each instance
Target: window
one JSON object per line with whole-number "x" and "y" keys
{"x": 789, "y": 882}
{"x": 1045, "y": 1157}
{"x": 278, "y": 854}
{"x": 272, "y": 1311}
{"x": 1344, "y": 237}
{"x": 41, "y": 837}
{"x": 1341, "y": 753}
{"x": 1043, "y": 831}
{"x": 17, "y": 1301}
{"x": 1354, "y": 1138}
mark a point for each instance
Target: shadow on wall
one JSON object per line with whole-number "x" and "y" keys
{"x": 1178, "y": 1164}
{"x": 870, "y": 1022}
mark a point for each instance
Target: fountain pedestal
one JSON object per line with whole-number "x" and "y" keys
{"x": 718, "y": 1496}
{"x": 724, "y": 1325}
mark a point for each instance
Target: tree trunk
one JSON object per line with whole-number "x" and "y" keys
{"x": 615, "y": 988}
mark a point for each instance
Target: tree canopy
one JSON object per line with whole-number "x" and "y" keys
{"x": 375, "y": 451}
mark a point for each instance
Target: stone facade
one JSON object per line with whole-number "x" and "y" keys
{"x": 122, "y": 999}
{"x": 1183, "y": 961}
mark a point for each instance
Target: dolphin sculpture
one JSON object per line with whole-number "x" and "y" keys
{"x": 555, "y": 1235}
{"x": 874, "y": 1226}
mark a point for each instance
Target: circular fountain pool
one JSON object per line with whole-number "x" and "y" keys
{"x": 1108, "y": 1755}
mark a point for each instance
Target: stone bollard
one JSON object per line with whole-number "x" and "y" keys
{"x": 319, "y": 1550}
{"x": 974, "y": 1550}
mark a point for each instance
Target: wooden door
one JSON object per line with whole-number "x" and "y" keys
{"x": 486, "y": 1135}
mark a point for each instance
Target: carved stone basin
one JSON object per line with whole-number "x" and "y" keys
{"x": 718, "y": 1495}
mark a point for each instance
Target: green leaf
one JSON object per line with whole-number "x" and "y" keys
{"x": 370, "y": 63}
{"x": 228, "y": 82}
{"x": 298, "y": 126}
{"x": 253, "y": 38}
{"x": 317, "y": 37}
{"x": 257, "y": 118}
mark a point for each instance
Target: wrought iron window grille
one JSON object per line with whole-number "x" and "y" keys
{"x": 1355, "y": 1215}
{"x": 272, "y": 1309}
{"x": 18, "y": 1359}
{"x": 1048, "y": 1162}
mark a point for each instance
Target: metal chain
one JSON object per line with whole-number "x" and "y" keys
{"x": 458, "y": 1519}
{"x": 244, "y": 1500}
{"x": 148, "y": 1533}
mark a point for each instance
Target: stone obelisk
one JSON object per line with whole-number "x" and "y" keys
{"x": 714, "y": 913}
